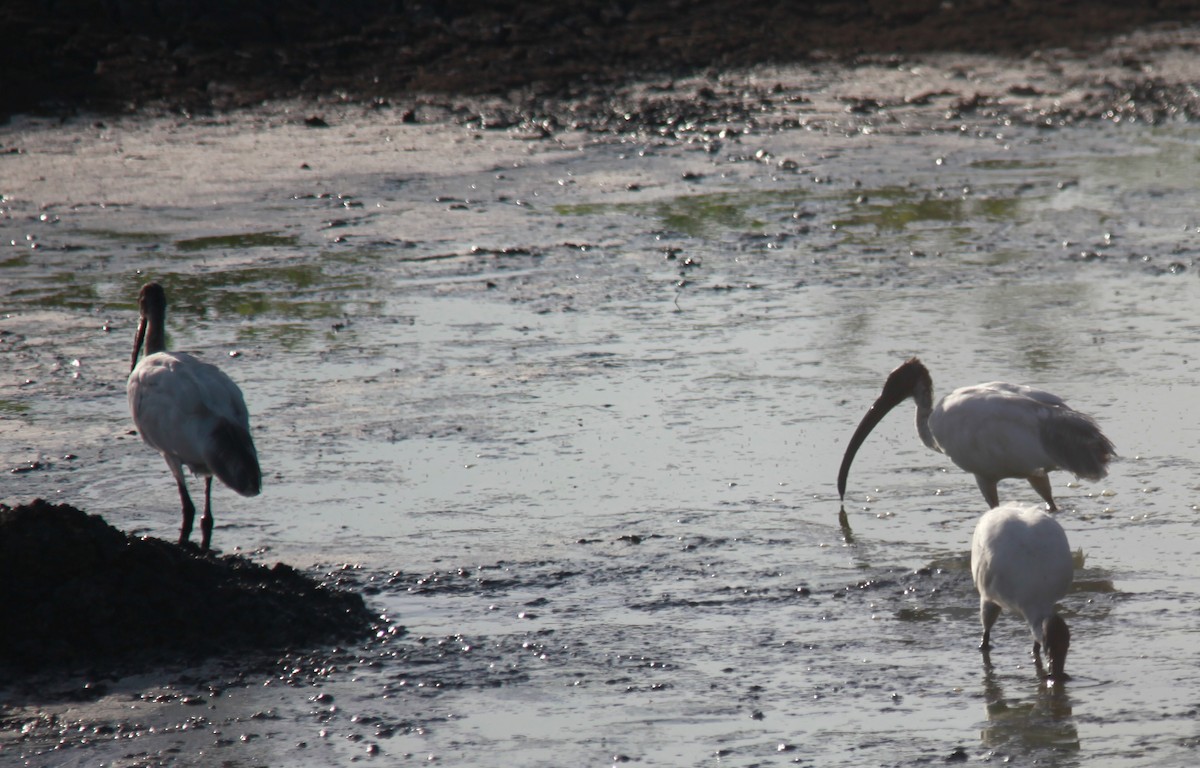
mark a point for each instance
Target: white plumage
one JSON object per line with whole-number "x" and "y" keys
{"x": 1021, "y": 562}
{"x": 192, "y": 413}
{"x": 994, "y": 431}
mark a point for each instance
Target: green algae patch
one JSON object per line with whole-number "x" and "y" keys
{"x": 895, "y": 209}
{"x": 705, "y": 215}
{"x": 236, "y": 241}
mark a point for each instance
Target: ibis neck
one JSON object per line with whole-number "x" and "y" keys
{"x": 923, "y": 396}
{"x": 156, "y": 337}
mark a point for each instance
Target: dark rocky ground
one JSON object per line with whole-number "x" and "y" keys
{"x": 120, "y": 55}
{"x": 80, "y": 595}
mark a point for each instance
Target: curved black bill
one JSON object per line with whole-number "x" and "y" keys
{"x": 904, "y": 382}
{"x": 873, "y": 416}
{"x": 137, "y": 342}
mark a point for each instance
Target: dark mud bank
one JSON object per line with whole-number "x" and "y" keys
{"x": 80, "y": 594}
{"x": 127, "y": 54}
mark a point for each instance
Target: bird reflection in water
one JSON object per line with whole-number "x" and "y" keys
{"x": 1028, "y": 725}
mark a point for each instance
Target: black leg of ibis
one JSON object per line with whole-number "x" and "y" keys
{"x": 1037, "y": 659}
{"x": 189, "y": 512}
{"x": 988, "y": 613}
{"x": 990, "y": 493}
{"x": 1041, "y": 484}
{"x": 206, "y": 521}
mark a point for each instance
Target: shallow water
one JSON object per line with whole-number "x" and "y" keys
{"x": 571, "y": 412}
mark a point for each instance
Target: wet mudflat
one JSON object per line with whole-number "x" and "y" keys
{"x": 566, "y": 404}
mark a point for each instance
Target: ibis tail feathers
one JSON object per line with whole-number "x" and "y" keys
{"x": 1077, "y": 445}
{"x": 232, "y": 458}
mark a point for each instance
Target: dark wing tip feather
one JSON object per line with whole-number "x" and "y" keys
{"x": 233, "y": 460}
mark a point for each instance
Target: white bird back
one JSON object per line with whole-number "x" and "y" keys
{"x": 1021, "y": 560}
{"x": 178, "y": 402}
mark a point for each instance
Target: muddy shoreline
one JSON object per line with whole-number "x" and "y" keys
{"x": 122, "y": 57}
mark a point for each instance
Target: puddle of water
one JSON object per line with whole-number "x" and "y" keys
{"x": 596, "y": 484}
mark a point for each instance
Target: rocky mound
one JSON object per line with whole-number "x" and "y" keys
{"x": 78, "y": 593}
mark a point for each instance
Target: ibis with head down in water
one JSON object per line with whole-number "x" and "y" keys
{"x": 994, "y": 431}
{"x": 1021, "y": 562}
{"x": 191, "y": 412}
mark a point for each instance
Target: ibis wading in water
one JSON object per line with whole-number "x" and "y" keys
{"x": 191, "y": 412}
{"x": 1021, "y": 562}
{"x": 994, "y": 431}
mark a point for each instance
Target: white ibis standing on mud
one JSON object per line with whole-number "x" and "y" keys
{"x": 1021, "y": 562}
{"x": 191, "y": 412}
{"x": 994, "y": 431}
